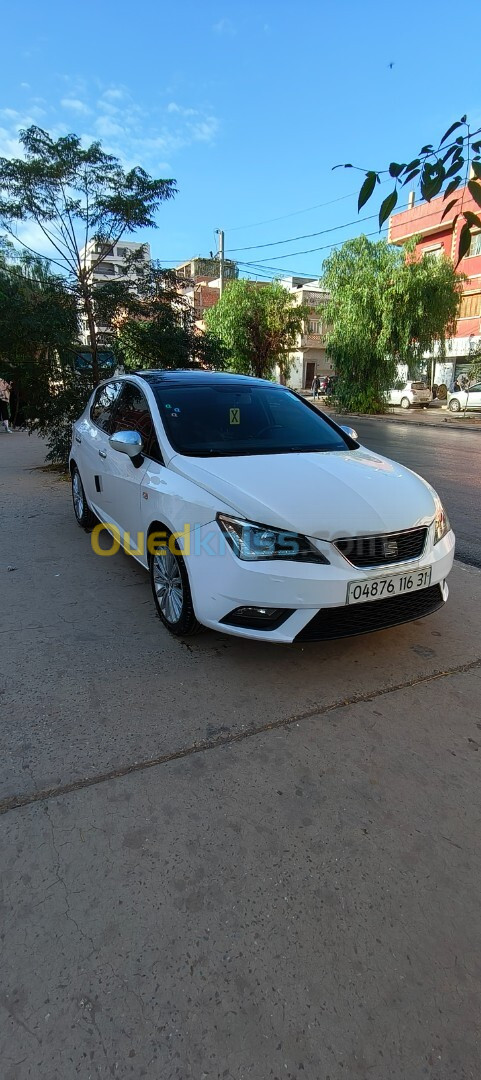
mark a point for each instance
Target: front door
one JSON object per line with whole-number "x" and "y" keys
{"x": 94, "y": 435}
{"x": 123, "y": 478}
{"x": 310, "y": 372}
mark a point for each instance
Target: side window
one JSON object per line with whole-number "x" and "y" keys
{"x": 133, "y": 414}
{"x": 101, "y": 411}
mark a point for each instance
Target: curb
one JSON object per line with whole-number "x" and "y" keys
{"x": 444, "y": 424}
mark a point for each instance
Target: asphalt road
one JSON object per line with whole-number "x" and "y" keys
{"x": 450, "y": 460}
{"x": 223, "y": 859}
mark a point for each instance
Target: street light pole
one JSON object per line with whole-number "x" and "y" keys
{"x": 221, "y": 259}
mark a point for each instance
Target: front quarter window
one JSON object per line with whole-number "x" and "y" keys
{"x": 102, "y": 408}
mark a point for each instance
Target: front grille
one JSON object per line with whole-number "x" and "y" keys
{"x": 354, "y": 619}
{"x": 386, "y": 550}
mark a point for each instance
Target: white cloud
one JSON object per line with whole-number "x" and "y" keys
{"x": 10, "y": 114}
{"x": 225, "y": 27}
{"x": 25, "y": 86}
{"x": 205, "y": 130}
{"x": 116, "y": 93}
{"x": 173, "y": 107}
{"x": 74, "y": 104}
{"x": 9, "y": 144}
{"x": 150, "y": 134}
{"x": 106, "y": 127}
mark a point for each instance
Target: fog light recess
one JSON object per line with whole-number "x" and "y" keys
{"x": 257, "y": 618}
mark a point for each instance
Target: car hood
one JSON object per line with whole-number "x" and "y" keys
{"x": 323, "y": 495}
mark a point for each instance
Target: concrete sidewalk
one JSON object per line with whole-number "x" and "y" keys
{"x": 225, "y": 859}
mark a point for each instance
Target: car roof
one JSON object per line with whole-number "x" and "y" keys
{"x": 200, "y": 378}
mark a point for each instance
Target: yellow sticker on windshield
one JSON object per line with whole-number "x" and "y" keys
{"x": 234, "y": 416}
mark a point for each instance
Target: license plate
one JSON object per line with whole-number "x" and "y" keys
{"x": 359, "y": 592}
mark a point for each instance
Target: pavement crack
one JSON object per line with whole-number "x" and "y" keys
{"x": 61, "y": 881}
{"x": 16, "y": 802}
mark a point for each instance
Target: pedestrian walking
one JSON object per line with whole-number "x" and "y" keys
{"x": 5, "y": 404}
{"x": 315, "y": 387}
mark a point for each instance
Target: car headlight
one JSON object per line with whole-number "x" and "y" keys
{"x": 251, "y": 541}
{"x": 441, "y": 522}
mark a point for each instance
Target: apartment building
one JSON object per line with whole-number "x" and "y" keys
{"x": 108, "y": 262}
{"x": 438, "y": 237}
{"x": 309, "y": 356}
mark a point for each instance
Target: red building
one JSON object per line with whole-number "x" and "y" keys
{"x": 439, "y": 237}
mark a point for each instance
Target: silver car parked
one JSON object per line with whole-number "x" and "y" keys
{"x": 465, "y": 399}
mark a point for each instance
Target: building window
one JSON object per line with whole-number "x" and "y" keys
{"x": 105, "y": 269}
{"x": 470, "y": 305}
{"x": 122, "y": 253}
{"x": 434, "y": 252}
{"x": 475, "y": 245}
{"x": 313, "y": 326}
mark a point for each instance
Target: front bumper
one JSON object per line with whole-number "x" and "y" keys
{"x": 312, "y": 592}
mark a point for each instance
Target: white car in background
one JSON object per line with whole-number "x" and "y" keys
{"x": 412, "y": 393}
{"x": 254, "y": 513}
{"x": 465, "y": 399}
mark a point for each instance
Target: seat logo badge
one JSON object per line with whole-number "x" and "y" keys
{"x": 390, "y": 549}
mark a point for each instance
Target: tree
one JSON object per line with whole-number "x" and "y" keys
{"x": 475, "y": 365}
{"x": 151, "y": 319}
{"x": 75, "y": 195}
{"x": 384, "y": 309}
{"x": 457, "y": 153}
{"x": 38, "y": 322}
{"x": 258, "y": 325}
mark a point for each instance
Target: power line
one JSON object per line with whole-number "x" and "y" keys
{"x": 308, "y": 251}
{"x": 294, "y": 213}
{"x": 305, "y": 236}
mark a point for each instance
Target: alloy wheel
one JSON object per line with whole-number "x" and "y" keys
{"x": 168, "y": 586}
{"x": 78, "y": 496}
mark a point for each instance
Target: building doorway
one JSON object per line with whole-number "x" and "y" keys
{"x": 310, "y": 372}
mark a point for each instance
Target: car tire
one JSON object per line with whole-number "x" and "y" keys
{"x": 171, "y": 590}
{"x": 405, "y": 403}
{"x": 454, "y": 405}
{"x": 84, "y": 515}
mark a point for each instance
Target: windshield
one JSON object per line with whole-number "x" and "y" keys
{"x": 224, "y": 420}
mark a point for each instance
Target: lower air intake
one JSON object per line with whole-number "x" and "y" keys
{"x": 354, "y": 619}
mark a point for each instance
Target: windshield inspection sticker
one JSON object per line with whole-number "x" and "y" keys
{"x": 234, "y": 416}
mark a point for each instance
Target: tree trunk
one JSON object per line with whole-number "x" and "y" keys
{"x": 88, "y": 308}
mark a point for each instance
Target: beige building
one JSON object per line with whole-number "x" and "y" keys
{"x": 309, "y": 357}
{"x": 109, "y": 264}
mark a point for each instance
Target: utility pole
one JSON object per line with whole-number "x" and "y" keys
{"x": 220, "y": 234}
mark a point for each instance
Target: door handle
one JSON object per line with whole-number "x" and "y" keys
{"x": 102, "y": 453}
{"x": 77, "y": 438}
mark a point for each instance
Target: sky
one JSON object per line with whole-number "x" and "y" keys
{"x": 248, "y": 105}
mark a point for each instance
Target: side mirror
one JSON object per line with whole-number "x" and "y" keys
{"x": 127, "y": 442}
{"x": 349, "y": 431}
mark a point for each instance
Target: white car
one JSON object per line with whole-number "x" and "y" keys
{"x": 255, "y": 514}
{"x": 412, "y": 393}
{"x": 465, "y": 399}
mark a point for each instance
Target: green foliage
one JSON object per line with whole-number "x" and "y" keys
{"x": 56, "y": 412}
{"x": 475, "y": 367}
{"x": 38, "y": 317}
{"x": 257, "y": 325}
{"x": 386, "y": 307}
{"x": 75, "y": 195}
{"x": 153, "y": 324}
{"x": 458, "y": 151}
